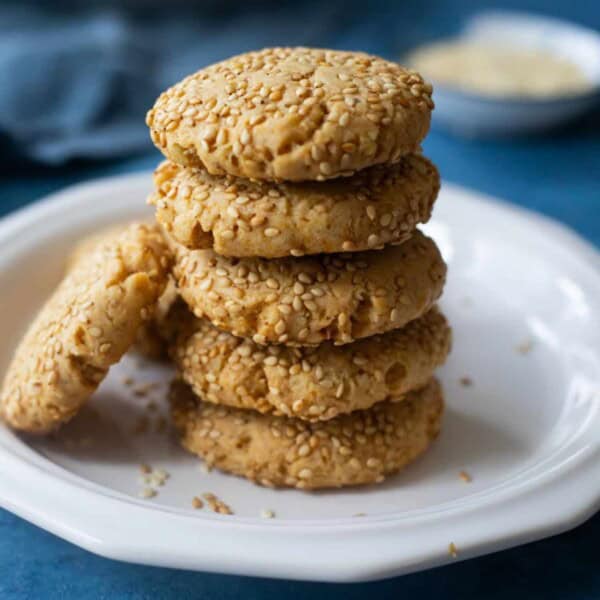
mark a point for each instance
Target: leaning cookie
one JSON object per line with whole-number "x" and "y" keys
{"x": 294, "y": 114}
{"x": 310, "y": 383}
{"x": 237, "y": 217}
{"x": 86, "y": 326}
{"x": 312, "y": 299}
{"x": 151, "y": 339}
{"x": 360, "y": 448}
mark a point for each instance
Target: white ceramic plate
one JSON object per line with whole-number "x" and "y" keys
{"x": 523, "y": 296}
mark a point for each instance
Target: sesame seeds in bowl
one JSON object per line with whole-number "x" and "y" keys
{"x": 512, "y": 73}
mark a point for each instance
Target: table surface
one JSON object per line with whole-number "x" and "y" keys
{"x": 558, "y": 175}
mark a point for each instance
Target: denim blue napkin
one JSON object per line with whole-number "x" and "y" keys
{"x": 77, "y": 78}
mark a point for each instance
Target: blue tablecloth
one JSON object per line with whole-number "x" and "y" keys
{"x": 557, "y": 174}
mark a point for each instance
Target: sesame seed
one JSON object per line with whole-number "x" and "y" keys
{"x": 272, "y": 232}
{"x": 304, "y": 450}
{"x": 325, "y": 168}
{"x": 373, "y": 240}
{"x": 525, "y": 347}
{"x": 147, "y": 493}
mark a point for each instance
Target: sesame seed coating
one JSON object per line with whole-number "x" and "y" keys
{"x": 239, "y": 217}
{"x": 293, "y": 114}
{"x": 308, "y": 300}
{"x": 355, "y": 449}
{"x": 314, "y": 384}
{"x": 151, "y": 338}
{"x": 88, "y": 323}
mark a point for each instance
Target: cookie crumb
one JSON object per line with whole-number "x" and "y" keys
{"x": 197, "y": 503}
{"x": 144, "y": 468}
{"x": 267, "y": 513}
{"x": 159, "y": 477}
{"x": 359, "y": 515}
{"x": 466, "y": 381}
{"x": 127, "y": 380}
{"x": 465, "y": 477}
{"x": 216, "y": 504}
{"x": 205, "y": 468}
{"x": 452, "y": 550}
{"x": 147, "y": 493}
{"x": 525, "y": 347}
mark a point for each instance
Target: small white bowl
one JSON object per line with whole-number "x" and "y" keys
{"x": 477, "y": 115}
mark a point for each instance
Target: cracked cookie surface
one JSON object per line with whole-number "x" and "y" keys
{"x": 293, "y": 114}
{"x": 87, "y": 324}
{"x": 359, "y": 448}
{"x": 238, "y": 217}
{"x": 312, "y": 299}
{"x": 304, "y": 382}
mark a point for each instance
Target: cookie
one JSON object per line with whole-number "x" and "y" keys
{"x": 151, "y": 339}
{"x": 360, "y": 448}
{"x": 293, "y": 114}
{"x": 88, "y": 323}
{"x": 239, "y": 217}
{"x": 309, "y": 300}
{"x": 310, "y": 383}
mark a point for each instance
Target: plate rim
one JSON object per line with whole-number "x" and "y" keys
{"x": 230, "y": 557}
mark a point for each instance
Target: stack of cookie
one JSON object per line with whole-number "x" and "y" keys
{"x": 291, "y": 195}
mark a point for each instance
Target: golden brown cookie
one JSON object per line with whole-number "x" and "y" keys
{"x": 359, "y": 448}
{"x": 293, "y": 114}
{"x": 310, "y": 383}
{"x": 86, "y": 326}
{"x": 151, "y": 339}
{"x": 309, "y": 300}
{"x": 239, "y": 217}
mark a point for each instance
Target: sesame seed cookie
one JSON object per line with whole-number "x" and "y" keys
{"x": 86, "y": 326}
{"x": 356, "y": 449}
{"x": 292, "y": 113}
{"x": 310, "y": 383}
{"x": 151, "y": 338}
{"x": 308, "y": 300}
{"x": 239, "y": 217}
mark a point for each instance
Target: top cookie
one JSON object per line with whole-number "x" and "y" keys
{"x": 293, "y": 114}
{"x": 85, "y": 327}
